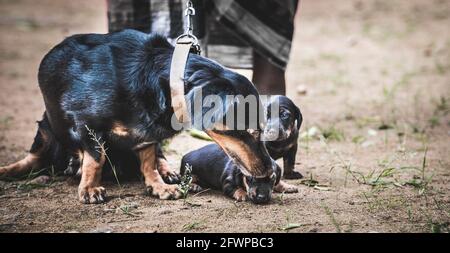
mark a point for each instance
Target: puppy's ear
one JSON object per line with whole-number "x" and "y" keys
{"x": 298, "y": 117}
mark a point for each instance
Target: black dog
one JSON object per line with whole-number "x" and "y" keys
{"x": 212, "y": 168}
{"x": 113, "y": 89}
{"x": 285, "y": 129}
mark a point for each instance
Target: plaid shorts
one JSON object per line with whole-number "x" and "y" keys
{"x": 228, "y": 30}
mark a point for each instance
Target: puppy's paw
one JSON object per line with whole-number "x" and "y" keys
{"x": 195, "y": 188}
{"x": 293, "y": 175}
{"x": 240, "y": 195}
{"x": 92, "y": 195}
{"x": 164, "y": 191}
{"x": 285, "y": 187}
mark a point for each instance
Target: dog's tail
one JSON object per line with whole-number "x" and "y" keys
{"x": 45, "y": 152}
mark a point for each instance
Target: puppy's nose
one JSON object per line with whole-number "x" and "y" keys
{"x": 271, "y": 133}
{"x": 261, "y": 198}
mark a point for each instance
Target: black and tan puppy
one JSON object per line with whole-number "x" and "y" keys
{"x": 284, "y": 129}
{"x": 114, "y": 89}
{"x": 212, "y": 168}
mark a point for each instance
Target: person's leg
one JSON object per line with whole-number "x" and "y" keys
{"x": 268, "y": 78}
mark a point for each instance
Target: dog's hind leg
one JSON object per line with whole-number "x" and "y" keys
{"x": 169, "y": 175}
{"x": 36, "y": 157}
{"x": 27, "y": 164}
{"x": 153, "y": 180}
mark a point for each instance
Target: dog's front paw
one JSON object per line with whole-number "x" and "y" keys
{"x": 92, "y": 195}
{"x": 171, "y": 177}
{"x": 164, "y": 191}
{"x": 293, "y": 175}
{"x": 240, "y": 195}
{"x": 168, "y": 174}
{"x": 285, "y": 187}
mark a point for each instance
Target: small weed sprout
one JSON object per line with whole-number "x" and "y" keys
{"x": 128, "y": 209}
{"x": 289, "y": 225}
{"x": 333, "y": 134}
{"x": 422, "y": 182}
{"x": 192, "y": 226}
{"x": 186, "y": 180}
{"x": 100, "y": 147}
{"x": 28, "y": 185}
{"x": 281, "y": 198}
{"x": 333, "y": 219}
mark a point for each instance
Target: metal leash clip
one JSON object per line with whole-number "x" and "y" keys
{"x": 188, "y": 37}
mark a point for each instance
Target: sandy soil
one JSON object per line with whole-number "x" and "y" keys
{"x": 377, "y": 76}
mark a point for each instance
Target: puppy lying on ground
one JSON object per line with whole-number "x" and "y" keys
{"x": 212, "y": 168}
{"x": 114, "y": 89}
{"x": 284, "y": 129}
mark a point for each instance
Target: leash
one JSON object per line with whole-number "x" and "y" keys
{"x": 186, "y": 43}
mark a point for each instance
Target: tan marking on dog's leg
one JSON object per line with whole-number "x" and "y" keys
{"x": 30, "y": 162}
{"x": 285, "y": 187}
{"x": 240, "y": 195}
{"x": 89, "y": 190}
{"x": 153, "y": 180}
{"x": 21, "y": 167}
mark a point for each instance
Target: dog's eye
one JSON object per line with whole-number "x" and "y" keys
{"x": 284, "y": 115}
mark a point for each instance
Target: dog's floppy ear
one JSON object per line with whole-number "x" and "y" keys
{"x": 298, "y": 117}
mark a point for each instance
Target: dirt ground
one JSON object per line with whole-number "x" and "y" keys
{"x": 374, "y": 145}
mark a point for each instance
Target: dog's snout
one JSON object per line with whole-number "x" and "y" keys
{"x": 261, "y": 198}
{"x": 271, "y": 133}
{"x": 260, "y": 194}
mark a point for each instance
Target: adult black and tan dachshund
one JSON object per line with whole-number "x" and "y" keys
{"x": 116, "y": 87}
